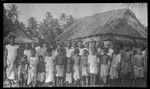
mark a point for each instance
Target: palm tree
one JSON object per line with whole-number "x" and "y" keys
{"x": 13, "y": 13}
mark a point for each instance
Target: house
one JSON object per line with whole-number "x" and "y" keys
{"x": 114, "y": 25}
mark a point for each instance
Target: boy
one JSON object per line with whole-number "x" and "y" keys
{"x": 93, "y": 66}
{"x": 84, "y": 66}
{"x": 49, "y": 80}
{"x": 32, "y": 69}
{"x": 126, "y": 59}
{"x": 60, "y": 61}
{"x": 105, "y": 64}
{"x": 138, "y": 66}
{"x": 69, "y": 72}
{"x": 40, "y": 71}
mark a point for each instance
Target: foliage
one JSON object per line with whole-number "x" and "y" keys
{"x": 49, "y": 28}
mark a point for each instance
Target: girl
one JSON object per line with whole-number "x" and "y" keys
{"x": 32, "y": 69}
{"x": 10, "y": 57}
{"x": 93, "y": 66}
{"x": 84, "y": 66}
{"x": 49, "y": 80}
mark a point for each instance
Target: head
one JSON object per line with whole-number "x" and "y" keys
{"x": 41, "y": 42}
{"x": 49, "y": 51}
{"x": 27, "y": 46}
{"x": 12, "y": 39}
{"x": 93, "y": 51}
{"x": 93, "y": 44}
{"x": 105, "y": 51}
{"x": 41, "y": 59}
{"x": 86, "y": 45}
{"x": 74, "y": 44}
{"x": 76, "y": 51}
{"x": 138, "y": 50}
{"x": 80, "y": 44}
{"x": 100, "y": 45}
{"x": 60, "y": 51}
{"x": 33, "y": 52}
{"x": 85, "y": 52}
{"x": 68, "y": 44}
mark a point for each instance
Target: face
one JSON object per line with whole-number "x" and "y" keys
{"x": 28, "y": 46}
{"x": 33, "y": 52}
{"x": 12, "y": 40}
{"x": 74, "y": 45}
{"x": 68, "y": 44}
{"x": 87, "y": 45}
{"x": 49, "y": 53}
{"x": 138, "y": 50}
{"x": 79, "y": 44}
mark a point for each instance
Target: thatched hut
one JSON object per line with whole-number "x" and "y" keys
{"x": 116, "y": 25}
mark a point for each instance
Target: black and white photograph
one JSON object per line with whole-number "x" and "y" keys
{"x": 75, "y": 45}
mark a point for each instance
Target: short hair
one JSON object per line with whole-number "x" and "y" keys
{"x": 33, "y": 50}
{"x": 76, "y": 50}
{"x": 49, "y": 50}
{"x": 60, "y": 50}
{"x": 11, "y": 36}
{"x": 85, "y": 51}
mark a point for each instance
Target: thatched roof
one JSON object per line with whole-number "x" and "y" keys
{"x": 21, "y": 36}
{"x": 121, "y": 22}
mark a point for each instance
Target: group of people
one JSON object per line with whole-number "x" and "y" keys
{"x": 72, "y": 64}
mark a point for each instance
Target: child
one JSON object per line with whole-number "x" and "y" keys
{"x": 80, "y": 47}
{"x": 76, "y": 72}
{"x": 84, "y": 66}
{"x": 138, "y": 66}
{"x": 9, "y": 58}
{"x": 27, "y": 51}
{"x": 69, "y": 72}
{"x": 49, "y": 80}
{"x": 126, "y": 59}
{"x": 60, "y": 63}
{"x": 40, "y": 71}
{"x": 24, "y": 71}
{"x": 93, "y": 66}
{"x": 105, "y": 63}
{"x": 114, "y": 68}
{"x": 32, "y": 69}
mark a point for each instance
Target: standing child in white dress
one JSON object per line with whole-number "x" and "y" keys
{"x": 49, "y": 63}
{"x": 93, "y": 62}
{"x": 32, "y": 69}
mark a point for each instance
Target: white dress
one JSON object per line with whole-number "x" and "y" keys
{"x": 93, "y": 61}
{"x": 32, "y": 69}
{"x": 28, "y": 54}
{"x": 12, "y": 53}
{"x": 49, "y": 69}
{"x": 113, "y": 69}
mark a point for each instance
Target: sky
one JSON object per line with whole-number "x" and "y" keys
{"x": 77, "y": 10}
